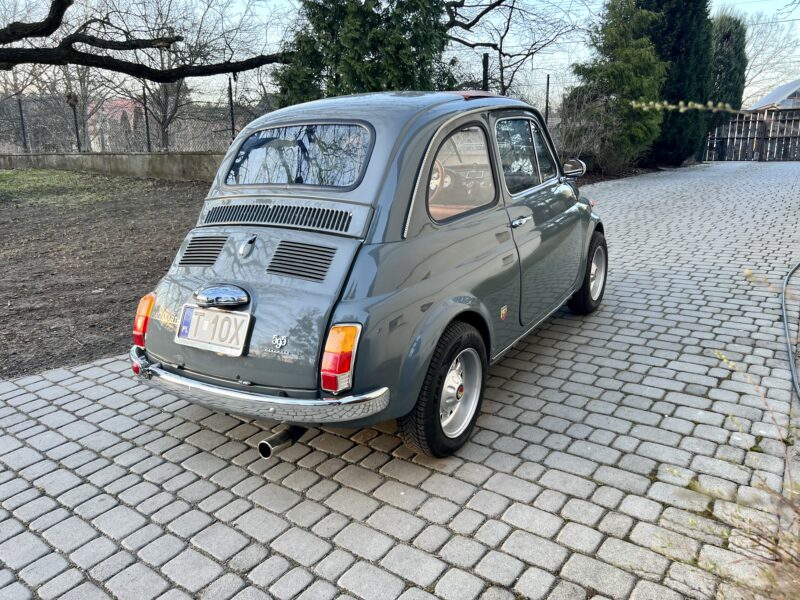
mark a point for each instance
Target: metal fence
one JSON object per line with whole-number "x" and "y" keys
{"x": 769, "y": 135}
{"x": 45, "y": 123}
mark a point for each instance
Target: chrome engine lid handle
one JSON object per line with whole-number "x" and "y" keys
{"x": 221, "y": 295}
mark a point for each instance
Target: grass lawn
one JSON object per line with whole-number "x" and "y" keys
{"x": 77, "y": 251}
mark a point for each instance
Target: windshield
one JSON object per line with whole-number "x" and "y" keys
{"x": 330, "y": 155}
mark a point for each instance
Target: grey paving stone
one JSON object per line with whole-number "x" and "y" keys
{"x": 85, "y": 591}
{"x": 647, "y": 590}
{"x": 432, "y": 538}
{"x": 580, "y": 538}
{"x": 591, "y": 573}
{"x": 251, "y": 593}
{"x": 564, "y": 590}
{"x": 223, "y": 588}
{"x": 678, "y": 497}
{"x": 161, "y": 550}
{"x": 396, "y": 523}
{"x": 15, "y": 591}
{"x": 532, "y": 519}
{"x": 301, "y": 546}
{"x": 353, "y": 503}
{"x": 112, "y": 565}
{"x": 260, "y": 525}
{"x": 466, "y": 522}
{"x": 499, "y": 568}
{"x": 640, "y": 508}
{"x": 137, "y": 582}
{"x": 60, "y": 585}
{"x": 458, "y": 585}
{"x": 462, "y": 552}
{"x": 21, "y": 550}
{"x": 363, "y": 541}
{"x": 220, "y": 541}
{"x": 632, "y": 558}
{"x": 191, "y": 570}
{"x": 413, "y": 565}
{"x": 334, "y": 564}
{"x": 370, "y": 582}
{"x": 275, "y": 498}
{"x": 291, "y": 583}
{"x": 567, "y": 483}
{"x": 69, "y": 534}
{"x": 535, "y": 550}
{"x": 43, "y": 569}
{"x": 119, "y": 522}
{"x": 268, "y": 571}
{"x": 534, "y": 583}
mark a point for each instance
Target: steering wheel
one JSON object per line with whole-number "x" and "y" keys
{"x": 437, "y": 181}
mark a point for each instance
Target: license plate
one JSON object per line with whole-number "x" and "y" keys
{"x": 216, "y": 330}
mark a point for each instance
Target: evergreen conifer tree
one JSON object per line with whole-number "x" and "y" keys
{"x": 682, "y": 38}
{"x": 352, "y": 46}
{"x": 625, "y": 68}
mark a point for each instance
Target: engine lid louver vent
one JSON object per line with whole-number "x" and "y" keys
{"x": 202, "y": 251}
{"x": 306, "y": 261}
{"x": 305, "y": 217}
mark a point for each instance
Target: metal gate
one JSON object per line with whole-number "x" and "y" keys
{"x": 763, "y": 135}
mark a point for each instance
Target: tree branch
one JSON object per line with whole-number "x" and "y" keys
{"x": 453, "y": 19}
{"x": 458, "y": 40}
{"x": 16, "y": 31}
{"x": 132, "y": 44}
{"x": 70, "y": 56}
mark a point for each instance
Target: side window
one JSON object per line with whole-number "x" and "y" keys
{"x": 517, "y": 154}
{"x": 546, "y": 164}
{"x": 461, "y": 176}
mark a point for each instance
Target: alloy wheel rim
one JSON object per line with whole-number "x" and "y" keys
{"x": 460, "y": 393}
{"x": 597, "y": 273}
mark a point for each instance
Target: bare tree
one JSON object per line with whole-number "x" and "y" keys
{"x": 771, "y": 42}
{"x": 111, "y": 39}
{"x": 512, "y": 31}
{"x": 208, "y": 28}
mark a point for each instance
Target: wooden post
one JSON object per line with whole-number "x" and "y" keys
{"x": 230, "y": 107}
{"x": 547, "y": 101}
{"x": 25, "y": 146}
{"x": 72, "y": 100}
{"x": 146, "y": 120}
{"x": 485, "y": 85}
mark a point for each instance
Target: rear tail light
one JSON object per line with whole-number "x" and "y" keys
{"x": 142, "y": 319}
{"x": 338, "y": 360}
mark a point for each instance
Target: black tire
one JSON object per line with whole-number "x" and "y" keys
{"x": 581, "y": 301}
{"x": 421, "y": 429}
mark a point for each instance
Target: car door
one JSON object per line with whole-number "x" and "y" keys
{"x": 472, "y": 243}
{"x": 544, "y": 213}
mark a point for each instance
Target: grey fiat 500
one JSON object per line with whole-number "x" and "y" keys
{"x": 365, "y": 258}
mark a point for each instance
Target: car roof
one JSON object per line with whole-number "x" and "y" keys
{"x": 389, "y": 109}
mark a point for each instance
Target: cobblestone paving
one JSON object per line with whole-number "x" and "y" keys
{"x": 615, "y": 455}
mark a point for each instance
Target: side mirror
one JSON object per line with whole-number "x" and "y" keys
{"x": 574, "y": 168}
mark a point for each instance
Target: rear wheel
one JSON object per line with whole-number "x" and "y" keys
{"x": 588, "y": 298}
{"x": 449, "y": 402}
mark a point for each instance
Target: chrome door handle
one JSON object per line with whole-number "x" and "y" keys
{"x": 521, "y": 221}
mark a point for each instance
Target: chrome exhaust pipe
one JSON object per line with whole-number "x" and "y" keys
{"x": 285, "y": 437}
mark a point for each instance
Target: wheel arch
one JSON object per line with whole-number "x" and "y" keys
{"x": 477, "y": 320}
{"x": 426, "y": 337}
{"x": 599, "y": 227}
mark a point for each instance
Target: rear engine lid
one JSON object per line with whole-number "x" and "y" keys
{"x": 292, "y": 280}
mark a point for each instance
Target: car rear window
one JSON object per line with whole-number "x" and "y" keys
{"x": 325, "y": 154}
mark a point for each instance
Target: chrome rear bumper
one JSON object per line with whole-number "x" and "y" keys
{"x": 276, "y": 408}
